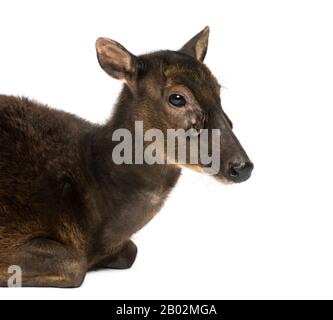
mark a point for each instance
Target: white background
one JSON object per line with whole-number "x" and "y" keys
{"x": 270, "y": 237}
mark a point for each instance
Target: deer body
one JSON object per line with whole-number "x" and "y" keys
{"x": 65, "y": 206}
{"x": 51, "y": 187}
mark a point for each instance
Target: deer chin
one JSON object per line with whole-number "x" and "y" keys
{"x": 225, "y": 181}
{"x": 220, "y": 177}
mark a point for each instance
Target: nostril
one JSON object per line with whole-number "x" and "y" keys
{"x": 236, "y": 168}
{"x": 233, "y": 172}
{"x": 239, "y": 170}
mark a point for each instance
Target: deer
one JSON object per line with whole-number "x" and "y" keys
{"x": 65, "y": 207}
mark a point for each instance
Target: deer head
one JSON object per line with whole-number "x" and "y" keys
{"x": 175, "y": 90}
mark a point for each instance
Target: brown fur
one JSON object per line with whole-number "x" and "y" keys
{"x": 65, "y": 207}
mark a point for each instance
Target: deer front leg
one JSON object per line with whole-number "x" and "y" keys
{"x": 46, "y": 263}
{"x": 122, "y": 258}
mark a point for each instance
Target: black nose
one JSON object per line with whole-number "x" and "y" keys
{"x": 239, "y": 172}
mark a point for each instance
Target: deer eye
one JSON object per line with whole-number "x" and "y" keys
{"x": 177, "y": 100}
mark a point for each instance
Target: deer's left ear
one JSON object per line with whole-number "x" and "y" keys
{"x": 198, "y": 45}
{"x": 115, "y": 60}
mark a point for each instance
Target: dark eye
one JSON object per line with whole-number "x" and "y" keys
{"x": 177, "y": 100}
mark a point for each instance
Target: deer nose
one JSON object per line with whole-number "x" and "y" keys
{"x": 240, "y": 171}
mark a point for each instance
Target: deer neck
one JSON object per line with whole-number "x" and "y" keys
{"x": 136, "y": 182}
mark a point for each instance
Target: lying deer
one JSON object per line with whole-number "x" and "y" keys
{"x": 65, "y": 206}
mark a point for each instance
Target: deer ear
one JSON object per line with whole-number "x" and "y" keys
{"x": 198, "y": 45}
{"x": 115, "y": 60}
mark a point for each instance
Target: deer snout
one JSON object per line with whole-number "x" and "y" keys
{"x": 240, "y": 171}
